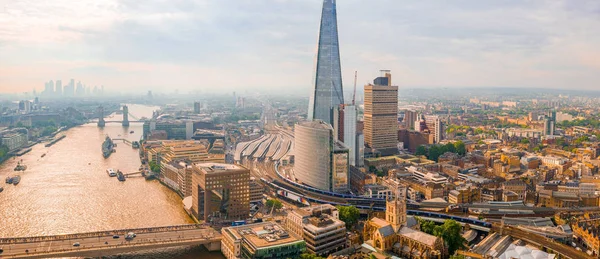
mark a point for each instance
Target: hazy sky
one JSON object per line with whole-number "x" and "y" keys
{"x": 218, "y": 45}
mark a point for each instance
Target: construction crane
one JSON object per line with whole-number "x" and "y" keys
{"x": 354, "y": 94}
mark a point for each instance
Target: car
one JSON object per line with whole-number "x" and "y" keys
{"x": 115, "y": 236}
{"x": 1, "y": 251}
{"x": 130, "y": 235}
{"x": 76, "y": 244}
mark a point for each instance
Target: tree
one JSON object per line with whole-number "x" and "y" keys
{"x": 274, "y": 203}
{"x": 460, "y": 148}
{"x": 154, "y": 167}
{"x": 349, "y": 215}
{"x": 372, "y": 169}
{"x": 525, "y": 141}
{"x": 450, "y": 232}
{"x": 310, "y": 256}
{"x": 434, "y": 152}
{"x": 3, "y": 152}
{"x": 428, "y": 226}
{"x": 421, "y": 151}
{"x": 450, "y": 148}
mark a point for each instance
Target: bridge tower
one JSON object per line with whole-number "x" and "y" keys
{"x": 101, "y": 122}
{"x": 125, "y": 116}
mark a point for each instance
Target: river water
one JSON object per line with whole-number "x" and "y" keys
{"x": 69, "y": 191}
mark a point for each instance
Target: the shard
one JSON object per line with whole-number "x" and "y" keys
{"x": 327, "y": 93}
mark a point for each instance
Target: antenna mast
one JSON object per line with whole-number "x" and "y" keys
{"x": 354, "y": 94}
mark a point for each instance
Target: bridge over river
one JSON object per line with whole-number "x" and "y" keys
{"x": 103, "y": 243}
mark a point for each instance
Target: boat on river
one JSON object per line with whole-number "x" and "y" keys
{"x": 20, "y": 167}
{"x": 111, "y": 172}
{"x": 16, "y": 180}
{"x": 107, "y": 147}
{"x": 120, "y": 176}
{"x": 1, "y": 188}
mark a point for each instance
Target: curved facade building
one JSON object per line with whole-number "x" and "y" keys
{"x": 313, "y": 144}
{"x": 320, "y": 160}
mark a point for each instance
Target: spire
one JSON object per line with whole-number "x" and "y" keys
{"x": 328, "y": 91}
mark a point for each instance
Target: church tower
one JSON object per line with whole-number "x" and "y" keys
{"x": 395, "y": 209}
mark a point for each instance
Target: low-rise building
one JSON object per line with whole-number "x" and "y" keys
{"x": 320, "y": 227}
{"x": 517, "y": 186}
{"x": 261, "y": 240}
{"x": 14, "y": 139}
{"x": 465, "y": 194}
{"x": 426, "y": 177}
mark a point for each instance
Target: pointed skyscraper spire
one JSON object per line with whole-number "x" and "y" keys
{"x": 328, "y": 91}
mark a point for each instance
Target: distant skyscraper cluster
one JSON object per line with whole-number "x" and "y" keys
{"x": 52, "y": 89}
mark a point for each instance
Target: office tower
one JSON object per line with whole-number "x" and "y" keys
{"x": 59, "y": 89}
{"x": 345, "y": 128}
{"x": 68, "y": 90}
{"x": 220, "y": 191}
{"x": 360, "y": 150}
{"x": 436, "y": 127}
{"x": 550, "y": 123}
{"x": 25, "y": 106}
{"x": 79, "y": 91}
{"x": 197, "y": 107}
{"x": 381, "y": 113}
{"x": 409, "y": 119}
{"x": 328, "y": 91}
{"x": 549, "y": 126}
{"x": 49, "y": 88}
{"x": 321, "y": 161}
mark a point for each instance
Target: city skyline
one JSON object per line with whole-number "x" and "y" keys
{"x": 539, "y": 44}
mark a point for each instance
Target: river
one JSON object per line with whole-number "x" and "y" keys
{"x": 68, "y": 190}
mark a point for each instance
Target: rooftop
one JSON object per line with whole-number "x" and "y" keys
{"x": 218, "y": 167}
{"x": 261, "y": 235}
{"x": 418, "y": 235}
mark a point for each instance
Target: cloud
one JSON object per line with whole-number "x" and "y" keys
{"x": 270, "y": 44}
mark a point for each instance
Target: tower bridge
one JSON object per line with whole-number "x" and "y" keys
{"x": 125, "y": 122}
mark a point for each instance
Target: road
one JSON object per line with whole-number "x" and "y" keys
{"x": 105, "y": 242}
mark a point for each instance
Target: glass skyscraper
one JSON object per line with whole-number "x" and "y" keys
{"x": 328, "y": 92}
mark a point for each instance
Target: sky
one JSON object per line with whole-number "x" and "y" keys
{"x": 270, "y": 45}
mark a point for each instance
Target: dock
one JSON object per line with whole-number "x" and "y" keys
{"x": 54, "y": 141}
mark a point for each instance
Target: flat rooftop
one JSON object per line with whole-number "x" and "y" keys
{"x": 263, "y": 235}
{"x": 218, "y": 167}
